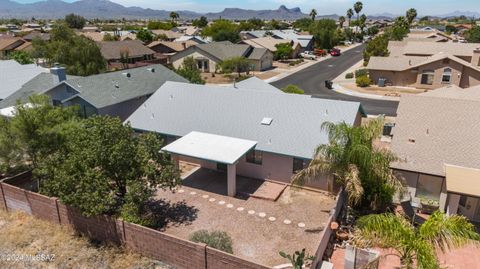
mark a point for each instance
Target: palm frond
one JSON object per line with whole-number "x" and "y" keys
{"x": 316, "y": 168}
{"x": 425, "y": 255}
{"x": 353, "y": 185}
{"x": 446, "y": 232}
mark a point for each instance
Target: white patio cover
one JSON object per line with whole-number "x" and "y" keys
{"x": 211, "y": 147}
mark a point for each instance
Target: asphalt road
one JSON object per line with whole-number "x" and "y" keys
{"x": 312, "y": 81}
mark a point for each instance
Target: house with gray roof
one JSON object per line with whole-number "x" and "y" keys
{"x": 285, "y": 128}
{"x": 135, "y": 52}
{"x": 116, "y": 93}
{"x": 435, "y": 139}
{"x": 14, "y": 75}
{"x": 207, "y": 56}
{"x": 304, "y": 41}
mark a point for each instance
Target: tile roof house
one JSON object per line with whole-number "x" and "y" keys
{"x": 270, "y": 43}
{"x": 8, "y": 45}
{"x": 136, "y": 52}
{"x": 14, "y": 75}
{"x": 435, "y": 138}
{"x": 305, "y": 41}
{"x": 285, "y": 132}
{"x": 171, "y": 35}
{"x": 428, "y": 65}
{"x": 209, "y": 55}
{"x": 114, "y": 93}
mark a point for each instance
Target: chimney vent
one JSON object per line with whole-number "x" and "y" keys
{"x": 58, "y": 73}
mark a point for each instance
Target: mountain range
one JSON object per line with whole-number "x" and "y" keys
{"x": 105, "y": 9}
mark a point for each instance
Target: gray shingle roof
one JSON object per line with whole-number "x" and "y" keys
{"x": 101, "y": 91}
{"x": 36, "y": 85}
{"x": 433, "y": 131}
{"x": 179, "y": 108}
{"x": 257, "y": 53}
{"x": 255, "y": 83}
{"x": 224, "y": 50}
{"x": 112, "y": 49}
{"x": 13, "y": 75}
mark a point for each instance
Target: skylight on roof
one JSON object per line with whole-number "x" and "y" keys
{"x": 266, "y": 121}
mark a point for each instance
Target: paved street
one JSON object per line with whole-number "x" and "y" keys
{"x": 312, "y": 81}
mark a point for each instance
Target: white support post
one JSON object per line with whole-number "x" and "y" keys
{"x": 453, "y": 202}
{"x": 232, "y": 179}
{"x": 176, "y": 161}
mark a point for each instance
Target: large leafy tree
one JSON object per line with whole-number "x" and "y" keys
{"x": 377, "y": 47}
{"x": 222, "y": 30}
{"x": 341, "y": 21}
{"x": 35, "y": 132}
{"x": 201, "y": 22}
{"x": 80, "y": 55}
{"x": 415, "y": 246}
{"x": 324, "y": 32}
{"x": 174, "y": 16}
{"x": 362, "y": 169}
{"x": 75, "y": 21}
{"x": 145, "y": 35}
{"x": 22, "y": 57}
{"x": 189, "y": 70}
{"x": 235, "y": 64}
{"x": 473, "y": 35}
{"x": 104, "y": 168}
{"x": 284, "y": 51}
{"x": 303, "y": 24}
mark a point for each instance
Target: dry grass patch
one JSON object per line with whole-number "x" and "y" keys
{"x": 22, "y": 234}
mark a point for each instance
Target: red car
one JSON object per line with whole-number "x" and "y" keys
{"x": 335, "y": 52}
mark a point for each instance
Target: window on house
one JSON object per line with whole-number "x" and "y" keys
{"x": 255, "y": 157}
{"x": 56, "y": 102}
{"x": 298, "y": 164}
{"x": 429, "y": 187}
{"x": 447, "y": 75}
{"x": 427, "y": 77}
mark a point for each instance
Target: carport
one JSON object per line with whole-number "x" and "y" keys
{"x": 215, "y": 148}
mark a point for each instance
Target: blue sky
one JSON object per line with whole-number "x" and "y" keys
{"x": 430, "y": 7}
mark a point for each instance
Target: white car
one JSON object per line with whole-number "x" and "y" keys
{"x": 308, "y": 55}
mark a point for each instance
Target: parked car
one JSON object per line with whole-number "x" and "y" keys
{"x": 320, "y": 52}
{"x": 347, "y": 43}
{"x": 308, "y": 55}
{"x": 335, "y": 52}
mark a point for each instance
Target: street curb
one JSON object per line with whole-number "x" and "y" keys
{"x": 338, "y": 88}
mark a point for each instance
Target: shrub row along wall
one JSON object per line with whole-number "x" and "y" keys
{"x": 148, "y": 242}
{"x": 327, "y": 232}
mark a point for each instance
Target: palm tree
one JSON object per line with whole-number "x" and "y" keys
{"x": 411, "y": 15}
{"x": 362, "y": 170}
{"x": 362, "y": 21}
{"x": 358, "y": 6}
{"x": 415, "y": 245}
{"x": 313, "y": 14}
{"x": 341, "y": 21}
{"x": 174, "y": 16}
{"x": 349, "y": 15}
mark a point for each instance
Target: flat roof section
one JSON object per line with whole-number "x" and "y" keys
{"x": 211, "y": 147}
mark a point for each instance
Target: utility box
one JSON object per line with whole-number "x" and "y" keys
{"x": 382, "y": 82}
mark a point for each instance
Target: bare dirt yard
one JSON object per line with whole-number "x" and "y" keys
{"x": 24, "y": 238}
{"x": 259, "y": 228}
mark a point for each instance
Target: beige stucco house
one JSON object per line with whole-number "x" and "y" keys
{"x": 251, "y": 129}
{"x": 427, "y": 65}
{"x": 435, "y": 137}
{"x": 207, "y": 56}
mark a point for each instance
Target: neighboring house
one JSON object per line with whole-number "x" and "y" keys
{"x": 14, "y": 75}
{"x": 435, "y": 137}
{"x": 8, "y": 45}
{"x": 428, "y": 35}
{"x": 127, "y": 53}
{"x": 171, "y": 35}
{"x": 305, "y": 41}
{"x": 169, "y": 47}
{"x": 37, "y": 35}
{"x": 270, "y": 43}
{"x": 208, "y": 56}
{"x": 233, "y": 128}
{"x": 187, "y": 30}
{"x": 197, "y": 39}
{"x": 427, "y": 65}
{"x": 116, "y": 93}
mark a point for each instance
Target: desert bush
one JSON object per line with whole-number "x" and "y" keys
{"x": 363, "y": 81}
{"x": 216, "y": 239}
{"x": 361, "y": 73}
{"x": 349, "y": 75}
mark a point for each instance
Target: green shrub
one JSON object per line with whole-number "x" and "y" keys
{"x": 349, "y": 75}
{"x": 361, "y": 73}
{"x": 293, "y": 89}
{"x": 363, "y": 81}
{"x": 216, "y": 239}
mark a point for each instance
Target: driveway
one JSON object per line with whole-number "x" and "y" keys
{"x": 312, "y": 81}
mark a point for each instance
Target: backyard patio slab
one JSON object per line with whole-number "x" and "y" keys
{"x": 259, "y": 228}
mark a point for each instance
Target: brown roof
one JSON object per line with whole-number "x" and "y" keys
{"x": 433, "y": 131}
{"x": 10, "y": 43}
{"x": 431, "y": 48}
{"x": 170, "y": 34}
{"x": 455, "y": 92}
{"x": 176, "y": 46}
{"x": 112, "y": 49}
{"x": 25, "y": 46}
{"x": 95, "y": 36}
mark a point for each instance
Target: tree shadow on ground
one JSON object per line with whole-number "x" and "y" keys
{"x": 165, "y": 213}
